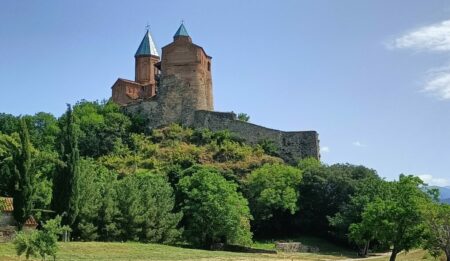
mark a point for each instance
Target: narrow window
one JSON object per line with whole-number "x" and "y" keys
{"x": 209, "y": 66}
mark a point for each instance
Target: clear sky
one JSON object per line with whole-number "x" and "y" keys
{"x": 372, "y": 77}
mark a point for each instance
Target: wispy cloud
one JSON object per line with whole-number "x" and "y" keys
{"x": 435, "y": 37}
{"x": 432, "y": 181}
{"x": 324, "y": 149}
{"x": 438, "y": 83}
{"x": 358, "y": 144}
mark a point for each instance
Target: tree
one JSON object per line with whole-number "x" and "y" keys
{"x": 160, "y": 222}
{"x": 9, "y": 123}
{"x": 272, "y": 191}
{"x": 437, "y": 221}
{"x": 324, "y": 191}
{"x": 9, "y": 147}
{"x": 366, "y": 191}
{"x": 395, "y": 217}
{"x": 243, "y": 117}
{"x": 94, "y": 180}
{"x": 214, "y": 212}
{"x": 24, "y": 180}
{"x": 100, "y": 125}
{"x": 66, "y": 191}
{"x": 44, "y": 130}
{"x": 145, "y": 202}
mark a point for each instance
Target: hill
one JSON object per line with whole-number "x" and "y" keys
{"x": 445, "y": 200}
{"x": 444, "y": 193}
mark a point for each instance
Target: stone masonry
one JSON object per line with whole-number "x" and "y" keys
{"x": 178, "y": 89}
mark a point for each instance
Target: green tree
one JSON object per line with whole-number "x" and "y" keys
{"x": 214, "y": 212}
{"x": 40, "y": 242}
{"x": 44, "y": 131}
{"x": 366, "y": 191}
{"x": 272, "y": 191}
{"x": 9, "y": 123}
{"x": 160, "y": 223}
{"x": 395, "y": 217}
{"x": 24, "y": 180}
{"x": 437, "y": 221}
{"x": 324, "y": 191}
{"x": 66, "y": 190}
{"x": 9, "y": 147}
{"x": 95, "y": 179}
{"x": 243, "y": 117}
{"x": 145, "y": 202}
{"x": 100, "y": 126}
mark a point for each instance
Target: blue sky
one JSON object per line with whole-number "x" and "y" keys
{"x": 372, "y": 77}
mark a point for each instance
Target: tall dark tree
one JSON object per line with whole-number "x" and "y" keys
{"x": 66, "y": 190}
{"x": 23, "y": 193}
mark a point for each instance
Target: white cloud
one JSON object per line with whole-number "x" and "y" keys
{"x": 432, "y": 181}
{"x": 324, "y": 149}
{"x": 435, "y": 37}
{"x": 438, "y": 83}
{"x": 358, "y": 144}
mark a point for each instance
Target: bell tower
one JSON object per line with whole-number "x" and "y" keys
{"x": 145, "y": 59}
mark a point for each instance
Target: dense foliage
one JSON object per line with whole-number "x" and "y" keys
{"x": 23, "y": 177}
{"x": 272, "y": 191}
{"x": 112, "y": 179}
{"x": 40, "y": 243}
{"x": 214, "y": 212}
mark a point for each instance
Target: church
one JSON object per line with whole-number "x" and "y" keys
{"x": 176, "y": 87}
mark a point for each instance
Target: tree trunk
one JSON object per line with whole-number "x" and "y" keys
{"x": 447, "y": 253}
{"x": 393, "y": 255}
{"x": 366, "y": 249}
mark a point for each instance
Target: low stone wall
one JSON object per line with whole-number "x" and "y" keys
{"x": 7, "y": 233}
{"x": 292, "y": 145}
{"x": 241, "y": 249}
{"x": 295, "y": 247}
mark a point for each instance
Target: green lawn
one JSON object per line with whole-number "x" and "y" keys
{"x": 138, "y": 251}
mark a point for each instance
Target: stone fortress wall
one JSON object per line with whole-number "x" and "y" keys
{"x": 291, "y": 145}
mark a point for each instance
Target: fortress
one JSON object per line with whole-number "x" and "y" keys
{"x": 176, "y": 87}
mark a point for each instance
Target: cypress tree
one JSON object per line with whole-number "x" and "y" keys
{"x": 66, "y": 191}
{"x": 23, "y": 193}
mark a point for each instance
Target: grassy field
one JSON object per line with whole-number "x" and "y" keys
{"x": 139, "y": 252}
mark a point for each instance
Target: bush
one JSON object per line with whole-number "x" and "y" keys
{"x": 42, "y": 242}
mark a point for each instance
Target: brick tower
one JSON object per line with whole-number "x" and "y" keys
{"x": 146, "y": 75}
{"x": 190, "y": 64}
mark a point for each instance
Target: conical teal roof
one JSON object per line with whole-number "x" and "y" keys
{"x": 147, "y": 46}
{"x": 181, "y": 31}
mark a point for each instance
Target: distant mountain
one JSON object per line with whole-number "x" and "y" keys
{"x": 444, "y": 192}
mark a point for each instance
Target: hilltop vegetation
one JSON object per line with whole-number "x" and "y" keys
{"x": 112, "y": 179}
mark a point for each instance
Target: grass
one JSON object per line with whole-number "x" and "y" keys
{"x": 75, "y": 251}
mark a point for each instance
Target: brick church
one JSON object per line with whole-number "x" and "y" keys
{"x": 176, "y": 87}
{"x": 182, "y": 58}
